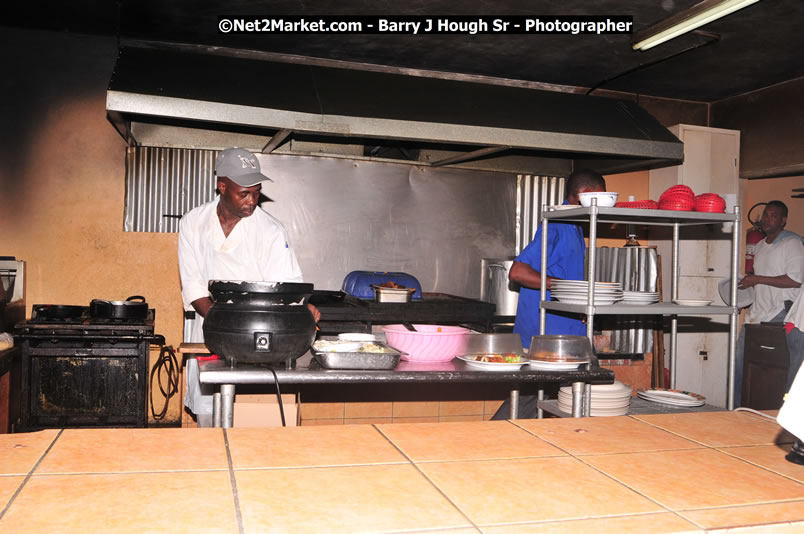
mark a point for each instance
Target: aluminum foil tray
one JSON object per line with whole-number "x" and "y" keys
{"x": 358, "y": 360}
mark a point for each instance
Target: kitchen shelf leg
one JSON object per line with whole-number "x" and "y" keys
{"x": 540, "y": 398}
{"x": 577, "y": 399}
{"x": 216, "y": 409}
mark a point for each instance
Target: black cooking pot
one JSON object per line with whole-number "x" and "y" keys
{"x": 132, "y": 309}
{"x": 259, "y": 322}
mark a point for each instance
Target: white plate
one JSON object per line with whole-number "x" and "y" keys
{"x": 564, "y": 207}
{"x": 491, "y": 366}
{"x": 637, "y": 302}
{"x": 554, "y": 366}
{"x": 688, "y": 302}
{"x": 574, "y": 300}
{"x": 357, "y": 336}
{"x": 583, "y": 283}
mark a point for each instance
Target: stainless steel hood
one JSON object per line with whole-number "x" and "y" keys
{"x": 176, "y": 98}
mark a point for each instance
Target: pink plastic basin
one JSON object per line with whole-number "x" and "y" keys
{"x": 430, "y": 343}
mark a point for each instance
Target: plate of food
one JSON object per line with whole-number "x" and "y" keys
{"x": 509, "y": 361}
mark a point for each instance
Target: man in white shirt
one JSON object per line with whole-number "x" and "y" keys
{"x": 778, "y": 273}
{"x": 229, "y": 238}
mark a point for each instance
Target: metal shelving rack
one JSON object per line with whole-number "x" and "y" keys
{"x": 676, "y": 219}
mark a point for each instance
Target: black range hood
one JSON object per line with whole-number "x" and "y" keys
{"x": 180, "y": 98}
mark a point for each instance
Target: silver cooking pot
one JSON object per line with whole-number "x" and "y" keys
{"x": 495, "y": 287}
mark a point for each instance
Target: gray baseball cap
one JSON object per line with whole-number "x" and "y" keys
{"x": 240, "y": 166}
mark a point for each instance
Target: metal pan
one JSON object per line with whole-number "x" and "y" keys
{"x": 358, "y": 360}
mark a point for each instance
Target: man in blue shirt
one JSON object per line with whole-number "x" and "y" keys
{"x": 565, "y": 258}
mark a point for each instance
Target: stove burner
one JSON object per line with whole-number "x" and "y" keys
{"x": 58, "y": 313}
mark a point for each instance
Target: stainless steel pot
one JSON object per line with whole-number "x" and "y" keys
{"x": 495, "y": 287}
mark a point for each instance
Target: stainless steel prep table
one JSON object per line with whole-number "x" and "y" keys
{"x": 307, "y": 371}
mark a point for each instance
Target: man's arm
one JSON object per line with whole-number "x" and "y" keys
{"x": 782, "y": 281}
{"x": 525, "y": 275}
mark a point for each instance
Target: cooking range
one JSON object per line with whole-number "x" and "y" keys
{"x": 86, "y": 366}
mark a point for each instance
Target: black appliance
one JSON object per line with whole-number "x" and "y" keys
{"x": 341, "y": 312}
{"x": 259, "y": 322}
{"x": 81, "y": 370}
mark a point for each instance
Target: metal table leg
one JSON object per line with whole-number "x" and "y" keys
{"x": 577, "y": 399}
{"x": 227, "y": 405}
{"x": 514, "y": 412}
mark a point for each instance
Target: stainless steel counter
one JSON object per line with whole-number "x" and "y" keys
{"x": 308, "y": 371}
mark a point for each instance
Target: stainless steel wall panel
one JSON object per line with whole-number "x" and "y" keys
{"x": 164, "y": 183}
{"x": 533, "y": 192}
{"x": 343, "y": 215}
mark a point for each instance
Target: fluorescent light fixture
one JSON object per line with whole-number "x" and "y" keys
{"x": 687, "y": 20}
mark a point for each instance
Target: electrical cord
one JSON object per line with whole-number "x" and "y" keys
{"x": 279, "y": 398}
{"x": 168, "y": 364}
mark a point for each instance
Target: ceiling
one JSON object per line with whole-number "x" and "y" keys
{"x": 755, "y": 47}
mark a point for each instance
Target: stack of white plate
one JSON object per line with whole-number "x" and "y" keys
{"x": 672, "y": 397}
{"x": 607, "y": 399}
{"x": 640, "y": 298}
{"x": 543, "y": 365}
{"x": 577, "y": 292}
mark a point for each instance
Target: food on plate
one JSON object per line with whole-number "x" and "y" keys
{"x": 507, "y": 357}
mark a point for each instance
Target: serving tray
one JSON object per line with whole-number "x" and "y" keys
{"x": 358, "y": 360}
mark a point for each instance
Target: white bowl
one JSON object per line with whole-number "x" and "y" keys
{"x": 604, "y": 199}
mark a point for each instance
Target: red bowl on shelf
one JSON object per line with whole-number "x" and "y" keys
{"x": 680, "y": 189}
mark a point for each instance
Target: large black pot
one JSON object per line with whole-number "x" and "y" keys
{"x": 259, "y": 322}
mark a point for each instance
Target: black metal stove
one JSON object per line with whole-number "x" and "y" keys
{"x": 81, "y": 371}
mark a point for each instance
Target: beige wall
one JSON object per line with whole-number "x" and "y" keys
{"x": 62, "y": 185}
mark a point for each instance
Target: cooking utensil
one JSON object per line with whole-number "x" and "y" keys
{"x": 392, "y": 294}
{"x": 357, "y": 359}
{"x": 134, "y": 308}
{"x": 259, "y": 322}
{"x": 409, "y": 326}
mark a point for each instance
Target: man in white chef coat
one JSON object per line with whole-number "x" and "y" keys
{"x": 778, "y": 273}
{"x": 229, "y": 238}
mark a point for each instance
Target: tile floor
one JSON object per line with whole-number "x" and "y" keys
{"x": 703, "y": 472}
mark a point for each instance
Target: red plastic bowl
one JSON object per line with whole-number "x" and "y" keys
{"x": 680, "y": 188}
{"x": 430, "y": 343}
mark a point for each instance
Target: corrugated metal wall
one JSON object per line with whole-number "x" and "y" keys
{"x": 533, "y": 192}
{"x": 164, "y": 183}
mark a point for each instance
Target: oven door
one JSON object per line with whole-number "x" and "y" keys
{"x": 99, "y": 385}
